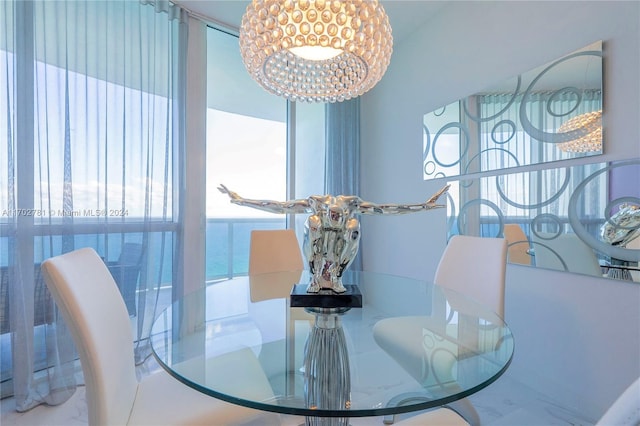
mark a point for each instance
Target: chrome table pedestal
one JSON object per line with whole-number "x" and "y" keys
{"x": 326, "y": 367}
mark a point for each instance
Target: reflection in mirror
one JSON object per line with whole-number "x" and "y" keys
{"x": 551, "y": 113}
{"x": 582, "y": 219}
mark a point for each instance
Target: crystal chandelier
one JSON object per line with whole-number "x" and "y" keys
{"x": 590, "y": 127}
{"x": 316, "y": 50}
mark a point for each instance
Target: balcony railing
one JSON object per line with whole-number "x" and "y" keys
{"x": 227, "y": 254}
{"x": 227, "y": 244}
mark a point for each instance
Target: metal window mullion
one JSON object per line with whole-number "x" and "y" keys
{"x": 291, "y": 160}
{"x": 25, "y": 70}
{"x": 21, "y": 309}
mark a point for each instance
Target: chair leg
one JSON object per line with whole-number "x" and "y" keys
{"x": 465, "y": 408}
{"x": 402, "y": 400}
{"x": 461, "y": 406}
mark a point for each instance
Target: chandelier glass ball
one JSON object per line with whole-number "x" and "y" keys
{"x": 590, "y": 126}
{"x": 316, "y": 50}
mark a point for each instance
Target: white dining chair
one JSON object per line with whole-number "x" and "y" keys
{"x": 518, "y": 246}
{"x": 93, "y": 309}
{"x": 274, "y": 250}
{"x": 625, "y": 411}
{"x": 475, "y": 269}
{"x": 275, "y": 265}
{"x": 634, "y": 245}
{"x": 564, "y": 252}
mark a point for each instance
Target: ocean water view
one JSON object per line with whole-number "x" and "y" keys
{"x": 227, "y": 245}
{"x": 227, "y": 254}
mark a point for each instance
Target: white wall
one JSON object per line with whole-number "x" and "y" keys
{"x": 577, "y": 338}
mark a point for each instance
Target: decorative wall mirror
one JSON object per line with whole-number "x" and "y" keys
{"x": 551, "y": 113}
{"x": 582, "y": 219}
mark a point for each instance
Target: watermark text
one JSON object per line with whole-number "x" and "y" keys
{"x": 64, "y": 213}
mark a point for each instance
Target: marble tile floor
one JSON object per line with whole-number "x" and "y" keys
{"x": 505, "y": 403}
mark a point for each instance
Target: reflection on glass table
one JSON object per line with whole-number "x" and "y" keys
{"x": 322, "y": 363}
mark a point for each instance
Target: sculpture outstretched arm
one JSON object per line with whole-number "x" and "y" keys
{"x": 367, "y": 207}
{"x": 293, "y": 206}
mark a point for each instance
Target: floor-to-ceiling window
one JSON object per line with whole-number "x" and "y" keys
{"x": 251, "y": 136}
{"x": 101, "y": 157}
{"x": 88, "y": 130}
{"x": 246, "y": 151}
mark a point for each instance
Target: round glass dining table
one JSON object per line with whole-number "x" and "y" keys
{"x": 410, "y": 346}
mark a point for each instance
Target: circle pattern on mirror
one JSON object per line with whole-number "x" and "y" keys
{"x": 485, "y": 151}
{"x": 512, "y": 99}
{"x": 512, "y": 131}
{"x": 554, "y": 197}
{"x": 427, "y": 146}
{"x": 560, "y": 93}
{"x": 543, "y": 218}
{"x": 630, "y": 255}
{"x": 462, "y": 227}
{"x": 463, "y": 130}
{"x": 540, "y": 134}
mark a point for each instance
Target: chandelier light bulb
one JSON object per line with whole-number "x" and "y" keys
{"x": 316, "y": 50}
{"x": 590, "y": 126}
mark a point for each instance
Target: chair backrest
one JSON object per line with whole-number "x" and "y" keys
{"x": 517, "y": 244}
{"x": 95, "y": 313}
{"x": 564, "y": 250}
{"x": 131, "y": 254}
{"x": 274, "y": 250}
{"x": 634, "y": 245}
{"x": 275, "y": 285}
{"x": 625, "y": 411}
{"x": 475, "y": 267}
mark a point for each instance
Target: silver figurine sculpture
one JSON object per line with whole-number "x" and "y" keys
{"x": 622, "y": 227}
{"x": 332, "y": 231}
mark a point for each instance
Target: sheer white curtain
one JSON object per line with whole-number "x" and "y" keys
{"x": 91, "y": 95}
{"x": 342, "y": 147}
{"x": 342, "y": 152}
{"x": 503, "y": 147}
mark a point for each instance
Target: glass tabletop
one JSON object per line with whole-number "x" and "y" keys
{"x": 240, "y": 341}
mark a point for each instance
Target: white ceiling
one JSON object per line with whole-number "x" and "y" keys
{"x": 405, "y": 16}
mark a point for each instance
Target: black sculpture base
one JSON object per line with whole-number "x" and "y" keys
{"x": 352, "y": 298}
